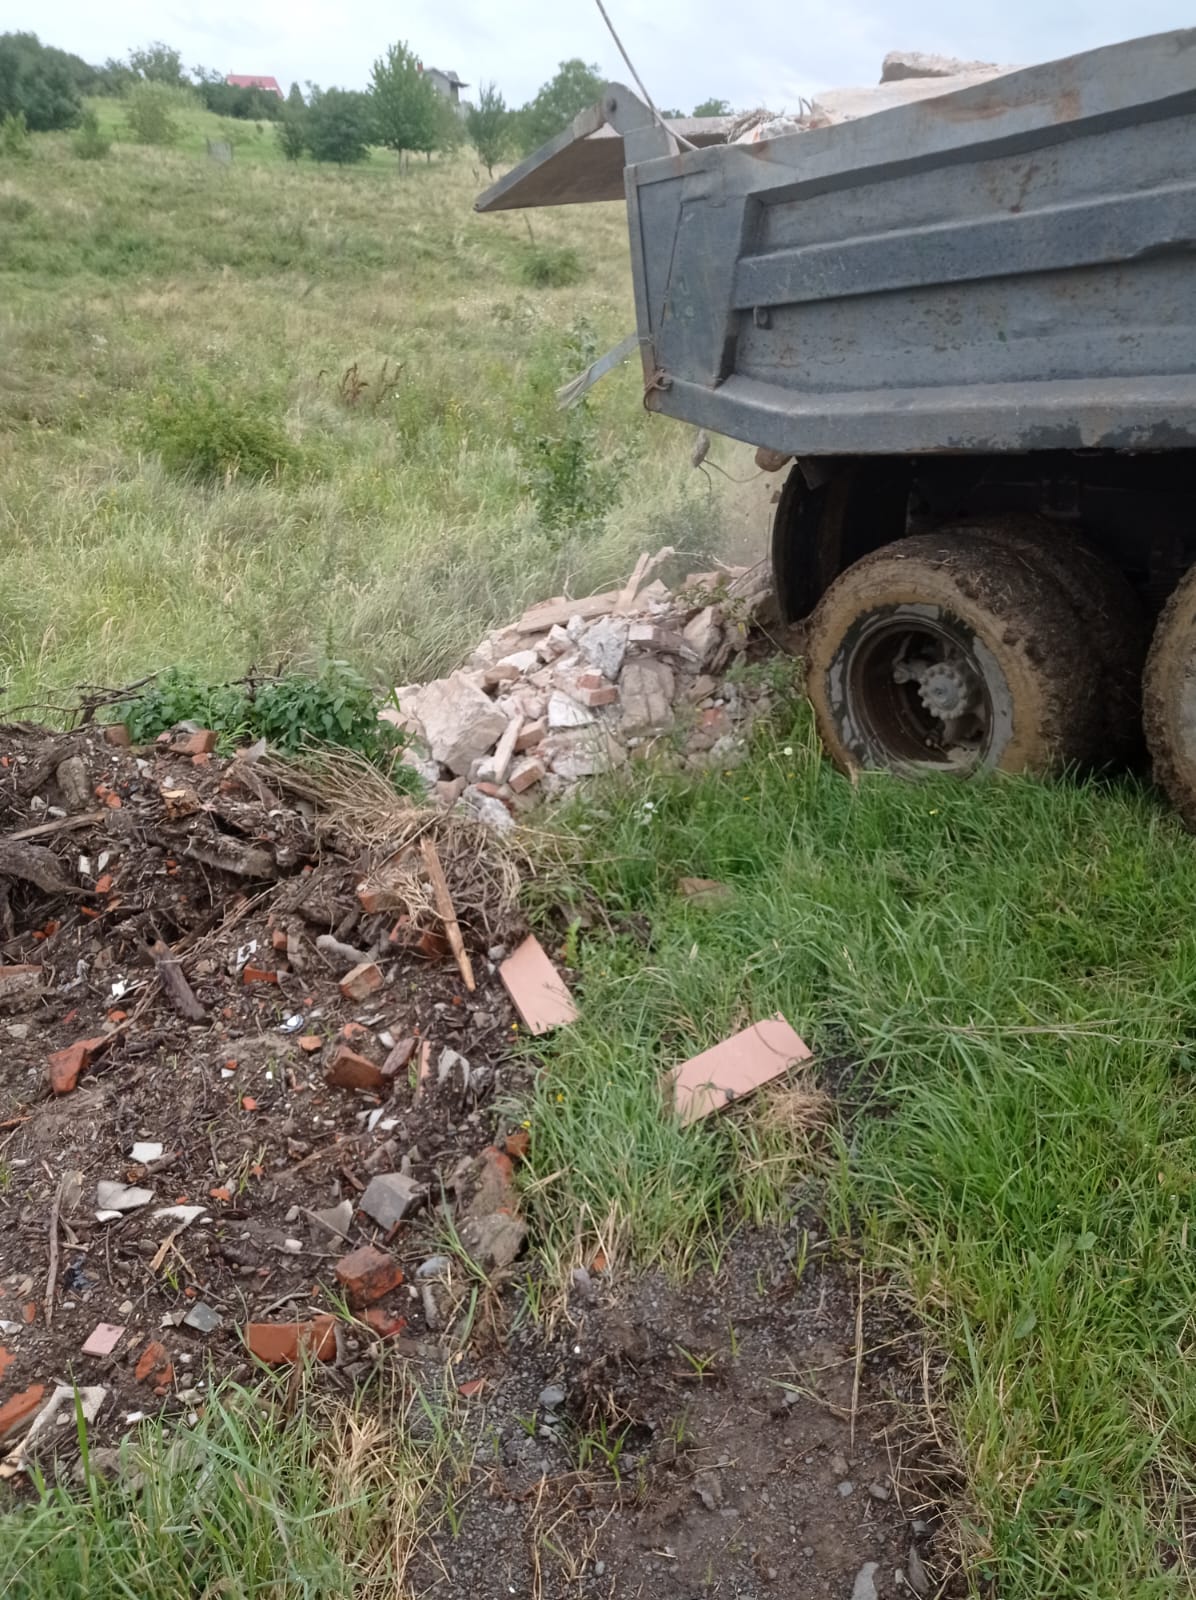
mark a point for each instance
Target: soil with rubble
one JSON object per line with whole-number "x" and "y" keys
{"x": 753, "y": 1434}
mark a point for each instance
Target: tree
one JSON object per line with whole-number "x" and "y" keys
{"x": 450, "y": 125}
{"x": 671, "y": 114}
{"x": 406, "y": 116}
{"x": 713, "y": 108}
{"x": 236, "y": 100}
{"x": 295, "y": 100}
{"x": 38, "y": 83}
{"x": 158, "y": 63}
{"x": 339, "y": 126}
{"x": 575, "y": 87}
{"x": 488, "y": 125}
{"x": 291, "y": 132}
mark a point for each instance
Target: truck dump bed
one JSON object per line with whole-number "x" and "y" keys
{"x": 1008, "y": 267}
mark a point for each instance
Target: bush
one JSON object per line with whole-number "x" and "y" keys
{"x": 550, "y": 266}
{"x": 15, "y": 142}
{"x": 339, "y": 126}
{"x": 204, "y": 433}
{"x": 334, "y": 707}
{"x": 290, "y": 131}
{"x": 150, "y": 112}
{"x": 91, "y": 143}
{"x": 39, "y": 83}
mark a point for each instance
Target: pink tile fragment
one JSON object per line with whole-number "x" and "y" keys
{"x": 539, "y": 992}
{"x": 103, "y": 1339}
{"x": 710, "y": 1081}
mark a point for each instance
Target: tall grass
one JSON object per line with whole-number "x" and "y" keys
{"x": 171, "y": 329}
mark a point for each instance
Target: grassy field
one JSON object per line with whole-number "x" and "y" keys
{"x": 368, "y": 342}
{"x": 1009, "y": 967}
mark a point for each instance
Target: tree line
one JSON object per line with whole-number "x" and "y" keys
{"x": 43, "y": 89}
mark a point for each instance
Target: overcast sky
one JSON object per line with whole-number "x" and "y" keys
{"x": 754, "y": 52}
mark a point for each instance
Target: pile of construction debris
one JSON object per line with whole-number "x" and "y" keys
{"x": 579, "y": 687}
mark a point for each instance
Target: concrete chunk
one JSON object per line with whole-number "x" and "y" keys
{"x": 390, "y": 1196}
{"x": 647, "y": 692}
{"x": 460, "y": 722}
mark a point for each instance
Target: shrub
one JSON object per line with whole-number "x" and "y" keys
{"x": 91, "y": 143}
{"x": 290, "y": 131}
{"x": 335, "y": 706}
{"x": 15, "y": 142}
{"x": 201, "y": 432}
{"x": 550, "y": 266}
{"x": 150, "y": 112}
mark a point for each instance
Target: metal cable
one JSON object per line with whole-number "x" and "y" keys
{"x": 639, "y": 82}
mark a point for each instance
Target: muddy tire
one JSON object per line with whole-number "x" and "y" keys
{"x": 1110, "y": 614}
{"x": 1169, "y": 700}
{"x": 939, "y": 653}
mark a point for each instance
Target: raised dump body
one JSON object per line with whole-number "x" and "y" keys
{"x": 971, "y": 320}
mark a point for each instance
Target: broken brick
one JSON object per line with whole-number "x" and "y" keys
{"x": 66, "y": 1065}
{"x": 103, "y": 1339}
{"x": 348, "y": 1070}
{"x": 309, "y": 1043}
{"x": 471, "y": 1389}
{"x": 525, "y": 773}
{"x": 361, "y": 982}
{"x": 539, "y": 992}
{"x": 154, "y": 1365}
{"x": 115, "y": 733}
{"x": 258, "y": 975}
{"x": 384, "y": 1323}
{"x": 6, "y": 1360}
{"x": 517, "y": 1144}
{"x": 398, "y": 1058}
{"x": 367, "y": 1274}
{"x": 278, "y": 1343}
{"x": 531, "y": 734}
{"x": 194, "y": 744}
{"x": 278, "y": 940}
{"x": 494, "y": 1173}
{"x": 602, "y": 694}
{"x": 20, "y": 1407}
{"x": 732, "y": 1069}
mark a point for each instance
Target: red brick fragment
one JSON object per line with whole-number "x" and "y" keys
{"x": 362, "y": 982}
{"x": 155, "y": 1365}
{"x": 21, "y": 1406}
{"x": 117, "y": 734}
{"x": 6, "y": 1360}
{"x": 539, "y": 992}
{"x": 258, "y": 975}
{"x": 66, "y": 1065}
{"x": 384, "y": 1323}
{"x": 525, "y": 773}
{"x": 471, "y": 1389}
{"x": 603, "y": 694}
{"x": 516, "y": 1144}
{"x": 367, "y": 1275}
{"x": 194, "y": 744}
{"x": 278, "y": 940}
{"x": 278, "y": 1343}
{"x": 309, "y": 1043}
{"x": 348, "y": 1070}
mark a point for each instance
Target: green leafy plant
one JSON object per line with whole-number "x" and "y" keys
{"x": 205, "y": 432}
{"x": 334, "y": 706}
{"x": 91, "y": 143}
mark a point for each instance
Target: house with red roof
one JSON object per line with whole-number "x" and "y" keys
{"x": 252, "y": 80}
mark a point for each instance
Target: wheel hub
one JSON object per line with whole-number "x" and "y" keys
{"x": 945, "y": 691}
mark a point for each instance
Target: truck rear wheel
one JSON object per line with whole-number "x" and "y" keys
{"x": 1169, "y": 700}
{"x": 1110, "y": 613}
{"x": 939, "y": 653}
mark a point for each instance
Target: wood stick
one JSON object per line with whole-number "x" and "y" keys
{"x": 52, "y": 1274}
{"x": 448, "y": 915}
{"x": 178, "y": 991}
{"x": 59, "y": 825}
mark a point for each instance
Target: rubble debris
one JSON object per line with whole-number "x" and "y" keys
{"x": 367, "y": 1274}
{"x": 154, "y": 1365}
{"x": 332, "y": 1222}
{"x": 66, "y": 1066}
{"x": 145, "y": 1151}
{"x": 537, "y": 989}
{"x": 103, "y": 1339}
{"x": 389, "y": 1196}
{"x": 120, "y": 1197}
{"x": 20, "y": 987}
{"x": 348, "y": 1070}
{"x": 280, "y": 1344}
{"x": 714, "y": 1079}
{"x": 460, "y": 723}
{"x": 202, "y": 1318}
{"x": 492, "y": 1242}
{"x": 18, "y": 1408}
{"x": 899, "y": 65}
{"x": 448, "y": 915}
{"x": 362, "y": 981}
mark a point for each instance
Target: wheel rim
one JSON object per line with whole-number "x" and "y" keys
{"x": 922, "y": 689}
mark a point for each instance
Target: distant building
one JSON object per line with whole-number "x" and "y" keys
{"x": 252, "y": 80}
{"x": 446, "y": 83}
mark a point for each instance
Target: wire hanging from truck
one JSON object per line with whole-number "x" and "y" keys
{"x": 639, "y": 82}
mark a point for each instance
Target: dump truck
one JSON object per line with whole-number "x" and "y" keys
{"x": 966, "y": 324}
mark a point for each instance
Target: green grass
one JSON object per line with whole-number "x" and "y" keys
{"x": 1013, "y": 968}
{"x": 307, "y": 1501}
{"x": 404, "y": 518}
